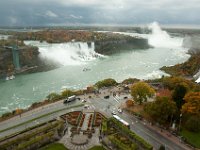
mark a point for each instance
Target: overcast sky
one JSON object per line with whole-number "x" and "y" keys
{"x": 121, "y": 12}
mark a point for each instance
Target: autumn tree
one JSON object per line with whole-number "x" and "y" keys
{"x": 161, "y": 109}
{"x": 191, "y": 111}
{"x": 141, "y": 91}
{"x": 129, "y": 103}
{"x": 192, "y": 103}
{"x": 172, "y": 82}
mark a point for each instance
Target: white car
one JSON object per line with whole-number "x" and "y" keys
{"x": 86, "y": 106}
{"x": 83, "y": 101}
{"x": 119, "y": 110}
{"x": 113, "y": 113}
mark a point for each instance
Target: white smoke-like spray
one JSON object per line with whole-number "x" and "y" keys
{"x": 160, "y": 38}
{"x": 72, "y": 53}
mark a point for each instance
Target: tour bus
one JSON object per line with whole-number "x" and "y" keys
{"x": 122, "y": 121}
{"x": 70, "y": 99}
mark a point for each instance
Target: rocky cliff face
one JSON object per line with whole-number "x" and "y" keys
{"x": 111, "y": 46}
{"x": 28, "y": 57}
{"x": 105, "y": 43}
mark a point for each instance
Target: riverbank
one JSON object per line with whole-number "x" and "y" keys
{"x": 187, "y": 69}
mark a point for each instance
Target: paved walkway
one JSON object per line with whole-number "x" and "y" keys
{"x": 85, "y": 123}
{"x": 66, "y": 140}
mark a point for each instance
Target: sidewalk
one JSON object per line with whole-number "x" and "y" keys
{"x": 166, "y": 134}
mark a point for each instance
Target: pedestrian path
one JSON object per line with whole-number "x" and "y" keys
{"x": 67, "y": 142}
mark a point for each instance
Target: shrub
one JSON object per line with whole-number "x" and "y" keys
{"x": 54, "y": 96}
{"x": 67, "y": 93}
{"x": 106, "y": 83}
{"x": 193, "y": 124}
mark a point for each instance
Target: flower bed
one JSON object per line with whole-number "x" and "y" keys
{"x": 82, "y": 120}
{"x": 97, "y": 119}
{"x": 73, "y": 117}
{"x": 90, "y": 120}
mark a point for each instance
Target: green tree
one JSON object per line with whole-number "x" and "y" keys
{"x": 161, "y": 109}
{"x": 53, "y": 96}
{"x": 193, "y": 123}
{"x": 162, "y": 147}
{"x": 178, "y": 94}
{"x": 106, "y": 83}
{"x": 67, "y": 93}
{"x": 141, "y": 91}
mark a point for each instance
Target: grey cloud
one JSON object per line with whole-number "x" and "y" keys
{"x": 45, "y": 12}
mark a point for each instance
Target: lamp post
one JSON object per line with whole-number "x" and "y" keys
{"x": 180, "y": 123}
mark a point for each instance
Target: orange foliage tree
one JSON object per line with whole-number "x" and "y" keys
{"x": 129, "y": 103}
{"x": 192, "y": 103}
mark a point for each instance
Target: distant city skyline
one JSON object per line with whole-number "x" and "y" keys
{"x": 98, "y": 12}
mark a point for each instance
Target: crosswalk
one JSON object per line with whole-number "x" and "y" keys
{"x": 116, "y": 98}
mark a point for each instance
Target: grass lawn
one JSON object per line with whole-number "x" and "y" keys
{"x": 54, "y": 146}
{"x": 97, "y": 148}
{"x": 192, "y": 137}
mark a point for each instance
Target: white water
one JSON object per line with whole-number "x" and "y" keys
{"x": 71, "y": 53}
{"x": 162, "y": 39}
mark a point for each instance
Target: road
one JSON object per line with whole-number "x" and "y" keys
{"x": 97, "y": 103}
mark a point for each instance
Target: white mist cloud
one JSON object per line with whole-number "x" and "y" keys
{"x": 76, "y": 17}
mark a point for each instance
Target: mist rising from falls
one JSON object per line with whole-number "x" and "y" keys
{"x": 72, "y": 53}
{"x": 161, "y": 39}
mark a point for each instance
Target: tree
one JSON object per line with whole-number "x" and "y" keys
{"x": 178, "y": 94}
{"x": 191, "y": 111}
{"x": 192, "y": 104}
{"x": 53, "y": 96}
{"x": 141, "y": 91}
{"x": 129, "y": 103}
{"x": 172, "y": 82}
{"x": 161, "y": 109}
{"x": 162, "y": 147}
{"x": 193, "y": 123}
{"x": 130, "y": 81}
{"x": 106, "y": 83}
{"x": 67, "y": 93}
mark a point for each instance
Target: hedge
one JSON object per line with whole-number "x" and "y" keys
{"x": 131, "y": 134}
{"x": 121, "y": 145}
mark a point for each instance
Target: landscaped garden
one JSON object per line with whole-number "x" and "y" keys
{"x": 54, "y": 146}
{"x": 34, "y": 137}
{"x": 97, "y": 148}
{"x": 192, "y": 137}
{"x": 121, "y": 137}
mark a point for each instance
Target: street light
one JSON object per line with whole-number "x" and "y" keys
{"x": 180, "y": 122}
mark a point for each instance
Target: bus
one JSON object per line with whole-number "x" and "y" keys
{"x": 70, "y": 99}
{"x": 122, "y": 121}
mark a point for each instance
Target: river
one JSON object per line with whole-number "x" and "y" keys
{"x": 74, "y": 57}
